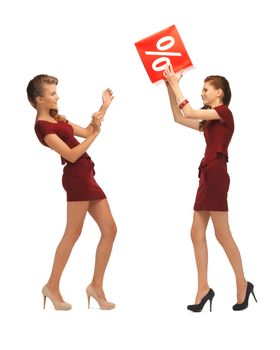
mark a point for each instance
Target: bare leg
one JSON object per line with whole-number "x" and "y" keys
{"x": 224, "y": 237}
{"x": 198, "y": 235}
{"x": 76, "y": 212}
{"x": 101, "y": 213}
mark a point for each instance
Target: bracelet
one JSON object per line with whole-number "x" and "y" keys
{"x": 183, "y": 103}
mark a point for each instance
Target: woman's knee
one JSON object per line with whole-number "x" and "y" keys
{"x": 73, "y": 233}
{"x": 221, "y": 236}
{"x": 114, "y": 230}
{"x": 197, "y": 235}
{"x": 110, "y": 231}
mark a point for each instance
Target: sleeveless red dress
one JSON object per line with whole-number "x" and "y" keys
{"x": 78, "y": 178}
{"x": 213, "y": 176}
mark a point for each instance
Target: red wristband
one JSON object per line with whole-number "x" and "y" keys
{"x": 183, "y": 103}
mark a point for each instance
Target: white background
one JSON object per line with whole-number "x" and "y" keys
{"x": 147, "y": 166}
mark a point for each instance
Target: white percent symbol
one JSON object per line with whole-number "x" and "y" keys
{"x": 162, "y": 45}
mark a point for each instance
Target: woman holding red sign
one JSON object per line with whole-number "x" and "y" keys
{"x": 216, "y": 121}
{"x": 83, "y": 193}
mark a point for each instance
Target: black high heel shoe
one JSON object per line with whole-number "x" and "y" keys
{"x": 244, "y": 305}
{"x": 198, "y": 307}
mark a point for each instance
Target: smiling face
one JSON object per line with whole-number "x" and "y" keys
{"x": 210, "y": 95}
{"x": 49, "y": 99}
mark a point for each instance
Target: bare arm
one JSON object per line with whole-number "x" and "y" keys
{"x": 177, "y": 114}
{"x": 80, "y": 131}
{"x": 192, "y": 114}
{"x": 72, "y": 154}
{"x": 200, "y": 114}
{"x": 107, "y": 97}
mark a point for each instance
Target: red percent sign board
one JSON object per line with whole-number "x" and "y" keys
{"x": 163, "y": 48}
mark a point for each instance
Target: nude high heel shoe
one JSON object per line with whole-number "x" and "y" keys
{"x": 104, "y": 305}
{"x": 58, "y": 305}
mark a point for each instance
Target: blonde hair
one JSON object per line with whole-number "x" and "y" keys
{"x": 35, "y": 88}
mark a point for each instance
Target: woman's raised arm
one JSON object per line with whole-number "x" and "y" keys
{"x": 177, "y": 114}
{"x": 189, "y": 113}
{"x": 107, "y": 97}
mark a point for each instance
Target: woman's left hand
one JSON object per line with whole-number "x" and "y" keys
{"x": 107, "y": 97}
{"x": 97, "y": 119}
{"x": 172, "y": 77}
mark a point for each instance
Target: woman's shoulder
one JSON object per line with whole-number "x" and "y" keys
{"x": 225, "y": 114}
{"x": 223, "y": 109}
{"x": 44, "y": 127}
{"x": 43, "y": 123}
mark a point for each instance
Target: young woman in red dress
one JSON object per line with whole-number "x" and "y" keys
{"x": 216, "y": 121}
{"x": 83, "y": 193}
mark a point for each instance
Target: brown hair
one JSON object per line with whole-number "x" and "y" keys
{"x": 35, "y": 88}
{"x": 218, "y": 82}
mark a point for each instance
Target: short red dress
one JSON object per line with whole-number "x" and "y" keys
{"x": 78, "y": 178}
{"x": 213, "y": 176}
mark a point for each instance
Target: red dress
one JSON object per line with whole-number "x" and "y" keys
{"x": 78, "y": 178}
{"x": 213, "y": 177}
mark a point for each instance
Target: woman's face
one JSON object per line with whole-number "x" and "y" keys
{"x": 209, "y": 94}
{"x": 49, "y": 98}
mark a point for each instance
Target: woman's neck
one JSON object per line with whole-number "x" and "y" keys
{"x": 44, "y": 116}
{"x": 216, "y": 103}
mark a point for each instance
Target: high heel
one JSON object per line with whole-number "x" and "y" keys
{"x": 58, "y": 305}
{"x": 244, "y": 305}
{"x": 104, "y": 305}
{"x": 198, "y": 307}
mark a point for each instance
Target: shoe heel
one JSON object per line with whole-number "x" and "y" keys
{"x": 211, "y": 305}
{"x": 254, "y": 296}
{"x": 88, "y": 300}
{"x": 44, "y": 303}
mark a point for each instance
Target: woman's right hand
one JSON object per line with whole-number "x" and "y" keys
{"x": 171, "y": 77}
{"x": 97, "y": 119}
{"x": 107, "y": 98}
